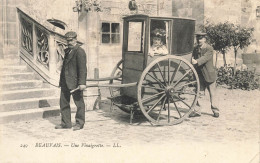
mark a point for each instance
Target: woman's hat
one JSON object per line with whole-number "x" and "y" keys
{"x": 158, "y": 32}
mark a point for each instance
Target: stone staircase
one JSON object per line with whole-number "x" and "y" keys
{"x": 24, "y": 95}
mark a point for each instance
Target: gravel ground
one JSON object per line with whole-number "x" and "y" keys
{"x": 233, "y": 137}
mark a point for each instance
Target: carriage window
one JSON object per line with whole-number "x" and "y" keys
{"x": 135, "y": 36}
{"x": 110, "y": 33}
{"x": 159, "y": 32}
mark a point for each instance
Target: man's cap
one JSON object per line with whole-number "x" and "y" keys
{"x": 201, "y": 35}
{"x": 70, "y": 35}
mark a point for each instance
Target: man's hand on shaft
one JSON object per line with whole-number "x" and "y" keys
{"x": 82, "y": 87}
{"x": 194, "y": 61}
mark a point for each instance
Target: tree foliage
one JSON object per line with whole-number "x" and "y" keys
{"x": 223, "y": 36}
{"x": 218, "y": 35}
{"x": 241, "y": 37}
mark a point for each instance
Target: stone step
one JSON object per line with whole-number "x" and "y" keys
{"x": 11, "y": 56}
{"x": 10, "y": 61}
{"x": 27, "y": 93}
{"x": 34, "y": 113}
{"x": 16, "y": 76}
{"x": 13, "y": 68}
{"x": 23, "y": 104}
{"x": 24, "y": 84}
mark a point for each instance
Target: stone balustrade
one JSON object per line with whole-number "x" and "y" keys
{"x": 42, "y": 46}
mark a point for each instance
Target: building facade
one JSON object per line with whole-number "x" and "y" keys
{"x": 101, "y": 32}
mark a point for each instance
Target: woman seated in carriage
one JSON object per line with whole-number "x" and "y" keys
{"x": 158, "y": 45}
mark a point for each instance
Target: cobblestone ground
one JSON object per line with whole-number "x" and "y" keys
{"x": 233, "y": 137}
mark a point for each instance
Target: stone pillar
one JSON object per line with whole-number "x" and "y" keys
{"x": 10, "y": 28}
{"x": 52, "y": 61}
{"x": 2, "y": 28}
{"x": 88, "y": 32}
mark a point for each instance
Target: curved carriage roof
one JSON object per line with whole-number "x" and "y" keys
{"x": 156, "y": 17}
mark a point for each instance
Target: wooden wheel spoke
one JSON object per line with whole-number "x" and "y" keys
{"x": 148, "y": 82}
{"x": 182, "y": 77}
{"x": 156, "y": 79}
{"x": 183, "y": 102}
{"x": 151, "y": 97}
{"x": 151, "y": 83}
{"x": 153, "y": 87}
{"x": 190, "y": 93}
{"x": 155, "y": 104}
{"x": 168, "y": 110}
{"x": 169, "y": 63}
{"x": 120, "y": 68}
{"x": 187, "y": 83}
{"x": 163, "y": 104}
{"x": 161, "y": 73}
{"x": 176, "y": 107}
{"x": 175, "y": 72}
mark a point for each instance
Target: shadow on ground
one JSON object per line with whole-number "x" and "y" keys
{"x": 120, "y": 116}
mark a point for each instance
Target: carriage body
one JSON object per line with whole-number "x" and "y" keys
{"x": 137, "y": 40}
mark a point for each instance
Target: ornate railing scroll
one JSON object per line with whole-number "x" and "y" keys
{"x": 26, "y": 35}
{"x": 42, "y": 51}
{"x": 41, "y": 46}
{"x": 60, "y": 47}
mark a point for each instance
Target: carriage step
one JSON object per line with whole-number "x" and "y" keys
{"x": 23, "y": 115}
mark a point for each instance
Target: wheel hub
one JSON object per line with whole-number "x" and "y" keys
{"x": 169, "y": 91}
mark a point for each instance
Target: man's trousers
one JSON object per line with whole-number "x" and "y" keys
{"x": 66, "y": 110}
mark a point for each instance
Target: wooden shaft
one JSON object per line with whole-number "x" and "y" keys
{"x": 106, "y": 78}
{"x": 107, "y": 85}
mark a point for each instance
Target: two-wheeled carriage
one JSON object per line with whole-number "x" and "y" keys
{"x": 163, "y": 87}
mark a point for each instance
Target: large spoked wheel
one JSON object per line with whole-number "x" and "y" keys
{"x": 116, "y": 72}
{"x": 167, "y": 90}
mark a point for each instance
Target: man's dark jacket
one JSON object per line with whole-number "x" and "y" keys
{"x": 204, "y": 57}
{"x": 74, "y": 69}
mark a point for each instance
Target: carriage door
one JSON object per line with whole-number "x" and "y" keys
{"x": 133, "y": 54}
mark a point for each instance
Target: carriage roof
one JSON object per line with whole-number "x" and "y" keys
{"x": 155, "y": 17}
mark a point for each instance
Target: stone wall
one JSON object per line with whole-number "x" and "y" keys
{"x": 222, "y": 11}
{"x": 43, "y": 10}
{"x": 249, "y": 19}
{"x": 189, "y": 9}
{"x": 8, "y": 28}
{"x": 48, "y": 9}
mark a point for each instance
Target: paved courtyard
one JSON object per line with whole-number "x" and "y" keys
{"x": 108, "y": 136}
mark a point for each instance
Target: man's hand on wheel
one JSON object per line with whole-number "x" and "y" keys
{"x": 82, "y": 87}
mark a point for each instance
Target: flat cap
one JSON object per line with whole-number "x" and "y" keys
{"x": 200, "y": 34}
{"x": 70, "y": 35}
